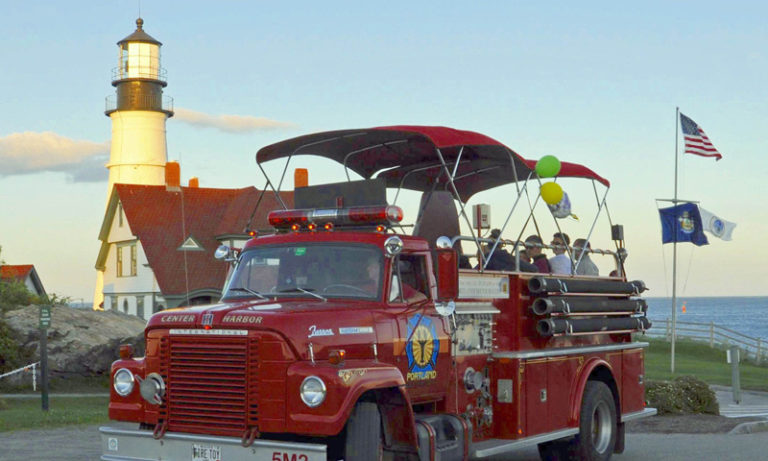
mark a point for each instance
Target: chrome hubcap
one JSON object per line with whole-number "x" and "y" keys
{"x": 601, "y": 427}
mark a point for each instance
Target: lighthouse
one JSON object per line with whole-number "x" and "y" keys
{"x": 138, "y": 111}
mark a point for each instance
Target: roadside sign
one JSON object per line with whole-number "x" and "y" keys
{"x": 45, "y": 316}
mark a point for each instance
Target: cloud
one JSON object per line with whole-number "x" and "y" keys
{"x": 30, "y": 152}
{"x": 228, "y": 123}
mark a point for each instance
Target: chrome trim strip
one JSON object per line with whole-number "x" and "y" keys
{"x": 638, "y": 414}
{"x": 187, "y": 331}
{"x": 106, "y": 430}
{"x": 568, "y": 351}
{"x": 476, "y": 308}
{"x": 494, "y": 447}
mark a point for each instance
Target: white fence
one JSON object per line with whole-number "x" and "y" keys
{"x": 755, "y": 348}
{"x": 27, "y": 368}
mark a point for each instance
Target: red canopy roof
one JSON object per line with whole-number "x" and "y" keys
{"x": 574, "y": 170}
{"x": 410, "y": 152}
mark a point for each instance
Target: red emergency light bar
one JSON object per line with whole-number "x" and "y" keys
{"x": 353, "y": 216}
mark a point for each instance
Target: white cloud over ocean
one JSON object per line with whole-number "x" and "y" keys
{"x": 32, "y": 152}
{"x": 228, "y": 123}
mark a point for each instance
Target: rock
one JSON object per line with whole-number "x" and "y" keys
{"x": 80, "y": 342}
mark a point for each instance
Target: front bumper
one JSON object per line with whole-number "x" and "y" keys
{"x": 119, "y": 444}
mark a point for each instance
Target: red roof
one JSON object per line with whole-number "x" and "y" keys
{"x": 18, "y": 273}
{"x": 155, "y": 214}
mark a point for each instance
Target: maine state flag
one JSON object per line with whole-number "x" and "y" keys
{"x": 682, "y": 223}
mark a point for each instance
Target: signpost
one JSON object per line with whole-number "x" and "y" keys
{"x": 45, "y": 322}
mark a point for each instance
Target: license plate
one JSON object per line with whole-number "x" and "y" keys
{"x": 205, "y": 452}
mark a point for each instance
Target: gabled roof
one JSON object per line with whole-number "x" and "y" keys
{"x": 162, "y": 221}
{"x": 19, "y": 273}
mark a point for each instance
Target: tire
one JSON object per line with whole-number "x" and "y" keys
{"x": 597, "y": 427}
{"x": 363, "y": 441}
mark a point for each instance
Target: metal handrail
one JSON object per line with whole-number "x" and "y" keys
{"x": 148, "y": 72}
{"x": 714, "y": 334}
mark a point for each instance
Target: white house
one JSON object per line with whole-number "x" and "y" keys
{"x": 157, "y": 242}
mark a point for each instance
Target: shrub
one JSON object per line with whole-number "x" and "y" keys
{"x": 13, "y": 295}
{"x": 683, "y": 395}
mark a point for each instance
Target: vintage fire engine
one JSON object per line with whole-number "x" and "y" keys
{"x": 344, "y": 334}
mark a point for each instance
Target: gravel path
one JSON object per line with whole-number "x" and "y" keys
{"x": 71, "y": 443}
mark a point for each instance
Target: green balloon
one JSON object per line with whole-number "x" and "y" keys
{"x": 548, "y": 166}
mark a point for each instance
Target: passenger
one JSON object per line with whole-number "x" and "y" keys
{"x": 560, "y": 263}
{"x": 535, "y": 253}
{"x": 586, "y": 265}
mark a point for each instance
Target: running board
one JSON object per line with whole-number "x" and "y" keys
{"x": 638, "y": 414}
{"x": 495, "y": 447}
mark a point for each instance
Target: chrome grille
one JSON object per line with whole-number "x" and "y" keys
{"x": 208, "y": 385}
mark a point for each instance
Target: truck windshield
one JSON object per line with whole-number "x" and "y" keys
{"x": 311, "y": 270}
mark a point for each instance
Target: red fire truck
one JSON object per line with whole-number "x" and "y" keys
{"x": 345, "y": 334}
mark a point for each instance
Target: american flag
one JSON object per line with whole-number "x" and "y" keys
{"x": 696, "y": 141}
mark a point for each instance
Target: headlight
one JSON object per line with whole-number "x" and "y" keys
{"x": 123, "y": 382}
{"x": 312, "y": 391}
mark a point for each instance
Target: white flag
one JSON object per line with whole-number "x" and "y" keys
{"x": 716, "y": 226}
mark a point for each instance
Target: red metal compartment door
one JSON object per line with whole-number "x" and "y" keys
{"x": 534, "y": 379}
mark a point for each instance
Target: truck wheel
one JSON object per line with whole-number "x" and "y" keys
{"x": 363, "y": 441}
{"x": 597, "y": 428}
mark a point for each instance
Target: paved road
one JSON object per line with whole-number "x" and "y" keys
{"x": 83, "y": 444}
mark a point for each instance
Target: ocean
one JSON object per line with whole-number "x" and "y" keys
{"x": 747, "y": 315}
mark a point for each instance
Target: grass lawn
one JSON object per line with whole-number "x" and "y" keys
{"x": 18, "y": 414}
{"x": 698, "y": 359}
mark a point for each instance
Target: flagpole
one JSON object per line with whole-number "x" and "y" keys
{"x": 674, "y": 251}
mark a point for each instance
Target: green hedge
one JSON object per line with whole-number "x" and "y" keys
{"x": 683, "y": 395}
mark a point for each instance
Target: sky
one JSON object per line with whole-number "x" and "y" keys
{"x": 595, "y": 83}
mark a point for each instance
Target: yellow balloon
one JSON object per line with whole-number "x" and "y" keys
{"x": 551, "y": 192}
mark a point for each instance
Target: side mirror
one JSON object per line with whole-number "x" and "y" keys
{"x": 447, "y": 274}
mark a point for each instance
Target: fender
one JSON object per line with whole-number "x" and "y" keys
{"x": 344, "y": 387}
{"x": 577, "y": 391}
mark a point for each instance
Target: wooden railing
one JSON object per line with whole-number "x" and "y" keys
{"x": 755, "y": 348}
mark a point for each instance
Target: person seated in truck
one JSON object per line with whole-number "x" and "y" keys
{"x": 586, "y": 265}
{"x": 411, "y": 269}
{"x": 560, "y": 263}
{"x": 538, "y": 258}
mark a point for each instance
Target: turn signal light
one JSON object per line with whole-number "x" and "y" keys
{"x": 336, "y": 356}
{"x": 328, "y": 226}
{"x": 295, "y": 227}
{"x": 312, "y": 226}
{"x": 126, "y": 351}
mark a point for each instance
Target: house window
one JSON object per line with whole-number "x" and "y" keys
{"x": 140, "y": 306}
{"x": 120, "y": 214}
{"x": 113, "y": 303}
{"x": 125, "y": 306}
{"x": 119, "y": 261}
{"x": 133, "y": 260}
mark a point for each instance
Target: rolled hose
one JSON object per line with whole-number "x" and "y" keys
{"x": 541, "y": 284}
{"x": 575, "y": 305}
{"x": 551, "y": 327}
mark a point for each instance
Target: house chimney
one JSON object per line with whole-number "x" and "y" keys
{"x": 172, "y": 176}
{"x": 194, "y": 182}
{"x": 300, "y": 178}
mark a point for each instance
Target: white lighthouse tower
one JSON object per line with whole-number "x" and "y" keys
{"x": 138, "y": 111}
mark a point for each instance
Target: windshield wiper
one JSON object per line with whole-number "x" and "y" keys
{"x": 307, "y": 291}
{"x": 248, "y": 290}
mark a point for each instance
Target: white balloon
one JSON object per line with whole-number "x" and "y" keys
{"x": 561, "y": 209}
